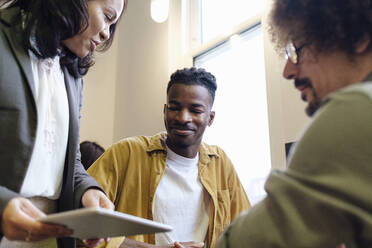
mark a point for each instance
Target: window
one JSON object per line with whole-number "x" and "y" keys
{"x": 218, "y": 17}
{"x": 241, "y": 123}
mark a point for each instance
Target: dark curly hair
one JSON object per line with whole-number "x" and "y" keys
{"x": 194, "y": 76}
{"x": 329, "y": 25}
{"x": 51, "y": 21}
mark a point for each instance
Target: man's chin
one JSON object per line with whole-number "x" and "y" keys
{"x": 180, "y": 141}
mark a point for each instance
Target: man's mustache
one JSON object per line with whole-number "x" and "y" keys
{"x": 303, "y": 81}
{"x": 181, "y": 126}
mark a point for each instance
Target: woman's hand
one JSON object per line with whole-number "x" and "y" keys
{"x": 190, "y": 244}
{"x": 19, "y": 222}
{"x": 95, "y": 198}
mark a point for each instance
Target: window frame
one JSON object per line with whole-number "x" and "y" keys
{"x": 279, "y": 129}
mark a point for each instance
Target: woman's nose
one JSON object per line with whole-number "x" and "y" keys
{"x": 105, "y": 33}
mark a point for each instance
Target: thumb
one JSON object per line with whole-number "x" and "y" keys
{"x": 200, "y": 244}
{"x": 26, "y": 215}
{"x": 30, "y": 209}
{"x": 177, "y": 245}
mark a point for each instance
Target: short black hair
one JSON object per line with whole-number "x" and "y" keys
{"x": 194, "y": 76}
{"x": 329, "y": 25}
{"x": 90, "y": 152}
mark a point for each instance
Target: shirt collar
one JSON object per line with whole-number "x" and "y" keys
{"x": 157, "y": 143}
{"x": 368, "y": 78}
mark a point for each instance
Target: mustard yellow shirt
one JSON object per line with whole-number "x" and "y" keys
{"x": 130, "y": 171}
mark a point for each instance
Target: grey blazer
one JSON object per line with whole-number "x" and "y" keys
{"x": 18, "y": 121}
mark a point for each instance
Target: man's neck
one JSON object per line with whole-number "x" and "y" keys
{"x": 187, "y": 152}
{"x": 362, "y": 69}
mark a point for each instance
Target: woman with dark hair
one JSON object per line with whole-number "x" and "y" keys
{"x": 46, "y": 46}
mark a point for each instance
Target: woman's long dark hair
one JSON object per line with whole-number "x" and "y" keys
{"x": 48, "y": 22}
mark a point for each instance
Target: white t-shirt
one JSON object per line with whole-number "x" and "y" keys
{"x": 181, "y": 201}
{"x": 45, "y": 172}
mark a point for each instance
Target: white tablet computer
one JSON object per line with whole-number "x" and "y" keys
{"x": 89, "y": 223}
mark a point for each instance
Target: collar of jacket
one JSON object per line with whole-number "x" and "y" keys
{"x": 368, "y": 78}
{"x": 10, "y": 16}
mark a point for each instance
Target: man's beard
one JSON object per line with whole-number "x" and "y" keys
{"x": 313, "y": 105}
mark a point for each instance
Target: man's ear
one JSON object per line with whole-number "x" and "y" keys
{"x": 363, "y": 44}
{"x": 211, "y": 118}
{"x": 164, "y": 111}
{"x": 164, "y": 115}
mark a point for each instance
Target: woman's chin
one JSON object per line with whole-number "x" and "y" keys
{"x": 82, "y": 55}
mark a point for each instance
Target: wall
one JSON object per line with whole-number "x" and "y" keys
{"x": 286, "y": 109}
{"x": 142, "y": 74}
{"x": 125, "y": 91}
{"x": 98, "y": 111}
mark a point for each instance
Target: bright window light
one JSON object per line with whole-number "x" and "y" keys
{"x": 219, "y": 16}
{"x": 241, "y": 124}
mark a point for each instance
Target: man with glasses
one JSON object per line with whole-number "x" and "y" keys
{"x": 324, "y": 198}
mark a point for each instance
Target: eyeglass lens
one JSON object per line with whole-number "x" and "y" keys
{"x": 291, "y": 53}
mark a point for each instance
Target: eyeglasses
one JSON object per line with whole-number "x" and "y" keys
{"x": 293, "y": 53}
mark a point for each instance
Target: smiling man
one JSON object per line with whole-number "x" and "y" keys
{"x": 324, "y": 197}
{"x": 173, "y": 177}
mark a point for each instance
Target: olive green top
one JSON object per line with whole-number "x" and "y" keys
{"x": 324, "y": 198}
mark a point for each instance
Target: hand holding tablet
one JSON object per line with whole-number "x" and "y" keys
{"x": 91, "y": 223}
